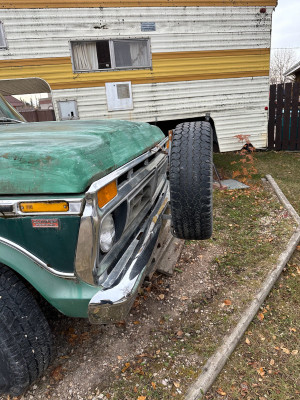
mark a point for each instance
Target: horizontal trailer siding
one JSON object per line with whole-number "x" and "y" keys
{"x": 132, "y": 3}
{"x": 42, "y": 33}
{"x": 167, "y": 67}
{"x": 236, "y": 105}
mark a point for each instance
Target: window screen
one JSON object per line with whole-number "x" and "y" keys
{"x": 131, "y": 53}
{"x": 2, "y": 37}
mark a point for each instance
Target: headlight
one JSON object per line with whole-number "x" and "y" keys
{"x": 107, "y": 234}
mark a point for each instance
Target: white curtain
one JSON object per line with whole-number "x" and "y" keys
{"x": 85, "y": 56}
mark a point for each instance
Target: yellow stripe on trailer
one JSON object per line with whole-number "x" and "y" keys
{"x": 166, "y": 67}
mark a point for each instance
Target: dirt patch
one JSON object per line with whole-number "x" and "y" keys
{"x": 87, "y": 355}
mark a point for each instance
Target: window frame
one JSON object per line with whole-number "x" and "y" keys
{"x": 2, "y": 34}
{"x": 112, "y": 54}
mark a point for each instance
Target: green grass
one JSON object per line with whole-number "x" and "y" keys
{"x": 251, "y": 229}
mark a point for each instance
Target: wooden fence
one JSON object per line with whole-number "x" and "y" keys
{"x": 38, "y": 115}
{"x": 284, "y": 117}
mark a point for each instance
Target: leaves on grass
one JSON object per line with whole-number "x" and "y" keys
{"x": 221, "y": 392}
{"x": 295, "y": 352}
{"x": 176, "y": 384}
{"x": 142, "y": 398}
{"x": 261, "y": 371}
{"x": 260, "y": 316}
{"x": 153, "y": 384}
{"x": 247, "y": 341}
{"x": 272, "y": 362}
{"x": 161, "y": 296}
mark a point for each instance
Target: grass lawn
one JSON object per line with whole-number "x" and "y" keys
{"x": 266, "y": 363}
{"x": 251, "y": 229}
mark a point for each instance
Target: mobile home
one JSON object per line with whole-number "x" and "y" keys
{"x": 160, "y": 61}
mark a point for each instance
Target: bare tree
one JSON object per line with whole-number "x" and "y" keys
{"x": 281, "y": 61}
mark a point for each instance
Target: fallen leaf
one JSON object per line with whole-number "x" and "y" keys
{"x": 294, "y": 352}
{"x": 120, "y": 357}
{"x": 179, "y": 333}
{"x": 247, "y": 341}
{"x": 286, "y": 351}
{"x": 153, "y": 384}
{"x": 184, "y": 298}
{"x": 161, "y": 296}
{"x": 142, "y": 398}
{"x": 127, "y": 365}
{"x": 221, "y": 392}
{"x": 227, "y": 302}
{"x": 293, "y": 330}
{"x": 261, "y": 371}
{"x": 57, "y": 373}
{"x": 176, "y": 384}
{"x": 136, "y": 322}
{"x": 260, "y": 316}
{"x": 272, "y": 362}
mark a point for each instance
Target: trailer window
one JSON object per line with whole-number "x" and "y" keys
{"x": 111, "y": 54}
{"x": 2, "y": 37}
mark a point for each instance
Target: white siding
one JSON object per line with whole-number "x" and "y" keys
{"x": 48, "y": 31}
{"x": 236, "y": 105}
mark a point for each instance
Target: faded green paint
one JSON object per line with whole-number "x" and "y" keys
{"x": 67, "y": 156}
{"x": 70, "y": 297}
{"x": 56, "y": 247}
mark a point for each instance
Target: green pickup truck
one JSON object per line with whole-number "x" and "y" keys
{"x": 82, "y": 208}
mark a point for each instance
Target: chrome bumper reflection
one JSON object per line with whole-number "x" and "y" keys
{"x": 114, "y": 301}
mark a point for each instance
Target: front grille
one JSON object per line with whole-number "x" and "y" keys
{"x": 139, "y": 201}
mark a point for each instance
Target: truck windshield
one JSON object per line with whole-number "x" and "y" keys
{"x": 7, "y": 113}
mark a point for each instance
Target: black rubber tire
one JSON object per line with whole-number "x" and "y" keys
{"x": 191, "y": 180}
{"x": 25, "y": 336}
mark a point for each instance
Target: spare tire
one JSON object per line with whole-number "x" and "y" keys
{"x": 191, "y": 180}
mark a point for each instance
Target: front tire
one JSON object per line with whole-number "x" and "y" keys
{"x": 191, "y": 180}
{"x": 25, "y": 337}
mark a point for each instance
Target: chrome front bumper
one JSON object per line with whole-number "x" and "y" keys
{"x": 113, "y": 302}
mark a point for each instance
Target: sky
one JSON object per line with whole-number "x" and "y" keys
{"x": 286, "y": 25}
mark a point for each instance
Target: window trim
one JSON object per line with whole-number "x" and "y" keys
{"x": 2, "y": 33}
{"x": 112, "y": 54}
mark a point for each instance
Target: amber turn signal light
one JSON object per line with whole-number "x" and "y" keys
{"x": 44, "y": 206}
{"x": 107, "y": 193}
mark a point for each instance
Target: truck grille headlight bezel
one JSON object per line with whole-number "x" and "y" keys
{"x": 107, "y": 234}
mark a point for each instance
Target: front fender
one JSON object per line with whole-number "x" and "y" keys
{"x": 69, "y": 295}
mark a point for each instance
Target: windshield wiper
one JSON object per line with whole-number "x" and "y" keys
{"x": 9, "y": 120}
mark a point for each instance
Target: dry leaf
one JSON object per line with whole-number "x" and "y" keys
{"x": 286, "y": 351}
{"x": 272, "y": 362}
{"x": 161, "y": 296}
{"x": 184, "y": 298}
{"x": 120, "y": 357}
{"x": 153, "y": 384}
{"x": 295, "y": 352}
{"x": 177, "y": 384}
{"x": 127, "y": 365}
{"x": 179, "y": 333}
{"x": 260, "y": 316}
{"x": 57, "y": 373}
{"x": 136, "y": 322}
{"x": 247, "y": 341}
{"x": 293, "y": 330}
{"x": 221, "y": 392}
{"x": 261, "y": 371}
{"x": 142, "y": 398}
{"x": 227, "y": 302}
{"x": 135, "y": 389}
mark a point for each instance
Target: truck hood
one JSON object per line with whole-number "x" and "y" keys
{"x": 66, "y": 157}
